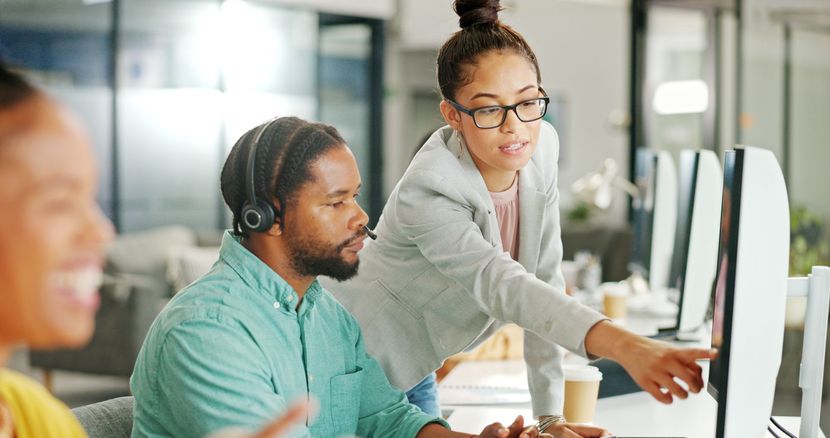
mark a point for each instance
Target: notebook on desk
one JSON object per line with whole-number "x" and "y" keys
{"x": 485, "y": 383}
{"x": 482, "y": 395}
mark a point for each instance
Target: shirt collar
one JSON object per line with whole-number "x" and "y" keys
{"x": 259, "y": 276}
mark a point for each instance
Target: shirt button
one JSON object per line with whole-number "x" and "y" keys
{"x": 276, "y": 304}
{"x": 310, "y": 378}
{"x": 290, "y": 298}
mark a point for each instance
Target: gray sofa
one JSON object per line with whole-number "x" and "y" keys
{"x": 137, "y": 285}
{"x": 108, "y": 419}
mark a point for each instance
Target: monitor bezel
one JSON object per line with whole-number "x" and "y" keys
{"x": 640, "y": 262}
{"x": 718, "y": 390}
{"x": 682, "y": 265}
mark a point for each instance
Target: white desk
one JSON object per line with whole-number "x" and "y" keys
{"x": 635, "y": 414}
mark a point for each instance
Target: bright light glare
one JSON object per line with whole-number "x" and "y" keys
{"x": 248, "y": 49}
{"x": 681, "y": 97}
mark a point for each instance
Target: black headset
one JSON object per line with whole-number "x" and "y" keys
{"x": 257, "y": 215}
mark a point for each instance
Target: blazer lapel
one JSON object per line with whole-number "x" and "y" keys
{"x": 472, "y": 175}
{"x": 532, "y": 201}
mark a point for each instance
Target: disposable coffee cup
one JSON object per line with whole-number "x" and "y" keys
{"x": 581, "y": 391}
{"x": 570, "y": 272}
{"x": 614, "y": 301}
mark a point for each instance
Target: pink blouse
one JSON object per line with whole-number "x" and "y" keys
{"x": 507, "y": 213}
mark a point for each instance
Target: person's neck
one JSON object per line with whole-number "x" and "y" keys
{"x": 499, "y": 181}
{"x": 276, "y": 258}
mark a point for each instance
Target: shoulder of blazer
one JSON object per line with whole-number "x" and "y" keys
{"x": 441, "y": 167}
{"x": 546, "y": 156}
{"x": 436, "y": 155}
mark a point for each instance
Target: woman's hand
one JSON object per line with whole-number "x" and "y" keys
{"x": 297, "y": 413}
{"x": 659, "y": 367}
{"x": 656, "y": 366}
{"x": 572, "y": 430}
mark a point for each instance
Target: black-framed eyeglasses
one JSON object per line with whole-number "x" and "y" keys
{"x": 493, "y": 116}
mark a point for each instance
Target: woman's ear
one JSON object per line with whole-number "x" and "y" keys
{"x": 451, "y": 115}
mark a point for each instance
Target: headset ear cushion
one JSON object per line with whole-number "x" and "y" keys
{"x": 258, "y": 218}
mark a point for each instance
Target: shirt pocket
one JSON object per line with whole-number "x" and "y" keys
{"x": 346, "y": 390}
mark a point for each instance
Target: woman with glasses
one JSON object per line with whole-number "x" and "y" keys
{"x": 470, "y": 239}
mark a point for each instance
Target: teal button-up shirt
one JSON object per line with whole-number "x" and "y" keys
{"x": 233, "y": 349}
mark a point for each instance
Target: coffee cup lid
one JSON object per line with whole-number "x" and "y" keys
{"x": 614, "y": 289}
{"x": 582, "y": 373}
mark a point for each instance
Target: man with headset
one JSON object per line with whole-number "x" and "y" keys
{"x": 258, "y": 331}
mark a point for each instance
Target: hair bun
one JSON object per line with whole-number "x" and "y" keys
{"x": 472, "y": 12}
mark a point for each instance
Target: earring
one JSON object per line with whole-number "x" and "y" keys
{"x": 461, "y": 143}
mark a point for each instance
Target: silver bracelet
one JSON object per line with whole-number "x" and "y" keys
{"x": 548, "y": 421}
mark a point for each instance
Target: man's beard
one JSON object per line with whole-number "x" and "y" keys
{"x": 310, "y": 258}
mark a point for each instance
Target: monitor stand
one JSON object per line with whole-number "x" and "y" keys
{"x": 696, "y": 336}
{"x": 816, "y": 288}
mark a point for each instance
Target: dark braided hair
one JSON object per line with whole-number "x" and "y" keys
{"x": 15, "y": 92}
{"x": 14, "y": 89}
{"x": 481, "y": 32}
{"x": 287, "y": 149}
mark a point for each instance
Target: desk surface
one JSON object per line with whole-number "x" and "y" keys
{"x": 636, "y": 414}
{"x": 632, "y": 422}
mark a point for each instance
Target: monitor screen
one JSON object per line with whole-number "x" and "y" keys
{"x": 750, "y": 291}
{"x": 685, "y": 205}
{"x": 642, "y": 210}
{"x": 724, "y": 287}
{"x": 695, "y": 250}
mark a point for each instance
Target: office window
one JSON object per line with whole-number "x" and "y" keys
{"x": 350, "y": 89}
{"x": 193, "y": 77}
{"x": 676, "y": 93}
{"x": 64, "y": 47}
{"x": 166, "y": 87}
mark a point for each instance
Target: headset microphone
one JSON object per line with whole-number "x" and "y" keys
{"x": 370, "y": 233}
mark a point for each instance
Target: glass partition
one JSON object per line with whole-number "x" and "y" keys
{"x": 166, "y": 87}
{"x": 676, "y": 92}
{"x": 64, "y": 46}
{"x": 350, "y": 90}
{"x": 194, "y": 76}
{"x": 689, "y": 76}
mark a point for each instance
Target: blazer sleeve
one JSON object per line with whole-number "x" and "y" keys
{"x": 432, "y": 212}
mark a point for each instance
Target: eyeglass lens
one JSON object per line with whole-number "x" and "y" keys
{"x": 491, "y": 117}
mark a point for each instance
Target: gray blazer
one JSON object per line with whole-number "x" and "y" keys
{"x": 437, "y": 279}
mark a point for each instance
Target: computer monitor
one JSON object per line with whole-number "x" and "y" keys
{"x": 653, "y": 216}
{"x": 750, "y": 292}
{"x": 694, "y": 263}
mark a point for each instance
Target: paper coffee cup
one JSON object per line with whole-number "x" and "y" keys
{"x": 614, "y": 301}
{"x": 581, "y": 391}
{"x": 570, "y": 272}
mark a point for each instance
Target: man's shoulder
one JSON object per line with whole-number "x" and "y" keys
{"x": 207, "y": 303}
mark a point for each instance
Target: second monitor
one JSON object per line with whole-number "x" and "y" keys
{"x": 693, "y": 264}
{"x": 654, "y": 213}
